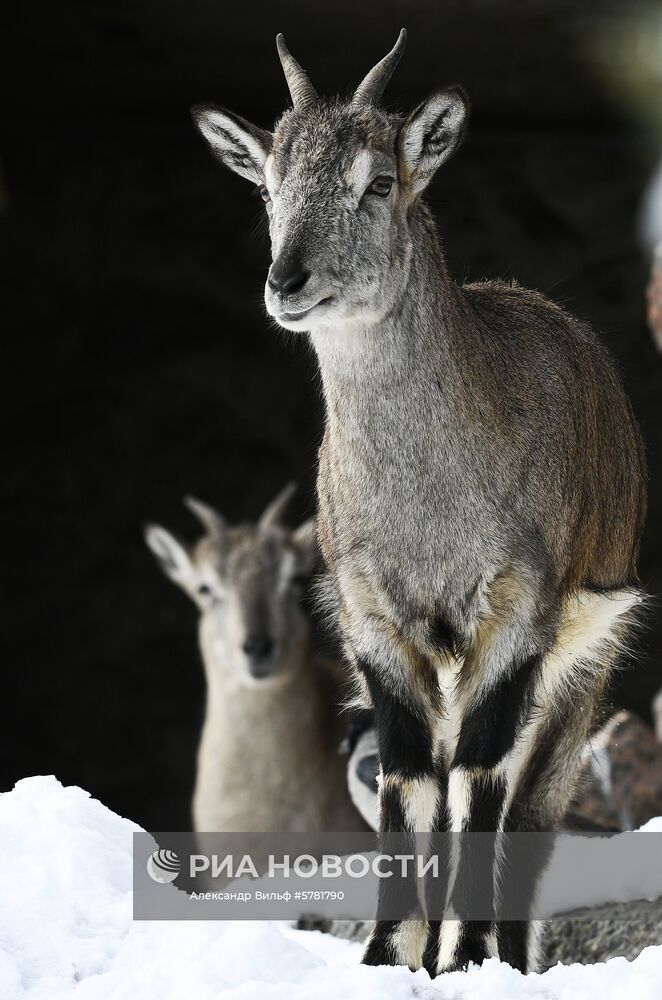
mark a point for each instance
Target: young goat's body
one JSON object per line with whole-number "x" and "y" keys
{"x": 268, "y": 756}
{"x": 268, "y": 759}
{"x": 481, "y": 488}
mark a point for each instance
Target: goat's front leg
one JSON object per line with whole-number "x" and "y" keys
{"x": 408, "y": 803}
{"x": 478, "y": 793}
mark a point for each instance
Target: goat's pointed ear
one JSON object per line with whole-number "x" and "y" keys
{"x": 431, "y": 134}
{"x": 170, "y": 554}
{"x": 304, "y": 539}
{"x": 241, "y": 146}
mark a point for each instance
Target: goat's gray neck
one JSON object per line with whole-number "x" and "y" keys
{"x": 236, "y": 712}
{"x": 230, "y": 703}
{"x": 418, "y": 325}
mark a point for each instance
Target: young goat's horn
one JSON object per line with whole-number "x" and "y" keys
{"x": 372, "y": 87}
{"x": 208, "y": 517}
{"x": 273, "y": 515}
{"x": 302, "y": 91}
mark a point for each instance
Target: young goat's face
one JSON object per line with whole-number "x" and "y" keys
{"x": 248, "y": 583}
{"x": 339, "y": 180}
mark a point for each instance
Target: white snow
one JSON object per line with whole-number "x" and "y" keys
{"x": 652, "y": 826}
{"x": 66, "y": 931}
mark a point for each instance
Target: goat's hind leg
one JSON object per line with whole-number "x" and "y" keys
{"x": 543, "y": 791}
{"x": 569, "y": 705}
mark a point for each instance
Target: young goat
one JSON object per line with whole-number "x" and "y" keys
{"x": 481, "y": 487}
{"x": 268, "y": 756}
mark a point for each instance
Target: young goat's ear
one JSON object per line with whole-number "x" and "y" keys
{"x": 241, "y": 146}
{"x": 431, "y": 134}
{"x": 305, "y": 541}
{"x": 171, "y": 555}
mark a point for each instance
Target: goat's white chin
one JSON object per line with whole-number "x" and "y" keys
{"x": 268, "y": 682}
{"x": 300, "y": 319}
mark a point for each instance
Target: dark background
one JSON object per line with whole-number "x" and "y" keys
{"x": 140, "y": 366}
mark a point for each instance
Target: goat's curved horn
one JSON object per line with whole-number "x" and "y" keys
{"x": 302, "y": 91}
{"x": 273, "y": 514}
{"x": 372, "y": 87}
{"x": 208, "y": 517}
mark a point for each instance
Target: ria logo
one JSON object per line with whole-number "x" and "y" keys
{"x": 163, "y": 866}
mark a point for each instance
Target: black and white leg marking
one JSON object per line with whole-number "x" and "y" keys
{"x": 408, "y": 798}
{"x": 477, "y": 797}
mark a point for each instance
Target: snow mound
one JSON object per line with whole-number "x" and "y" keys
{"x": 66, "y": 931}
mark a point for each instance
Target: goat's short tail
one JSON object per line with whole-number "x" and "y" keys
{"x": 594, "y": 622}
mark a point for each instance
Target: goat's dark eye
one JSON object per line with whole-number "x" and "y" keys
{"x": 381, "y": 185}
{"x": 204, "y": 590}
{"x": 263, "y": 193}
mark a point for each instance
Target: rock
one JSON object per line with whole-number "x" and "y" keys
{"x": 585, "y": 936}
{"x": 603, "y": 932}
{"x": 657, "y": 716}
{"x": 623, "y": 786}
{"x": 348, "y": 930}
{"x": 654, "y": 298}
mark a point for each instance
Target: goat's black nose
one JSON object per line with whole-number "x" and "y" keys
{"x": 258, "y": 647}
{"x": 287, "y": 276}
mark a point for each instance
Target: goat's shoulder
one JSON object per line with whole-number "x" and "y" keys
{"x": 496, "y": 300}
{"x": 532, "y": 329}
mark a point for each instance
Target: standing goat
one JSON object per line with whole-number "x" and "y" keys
{"x": 481, "y": 486}
{"x": 268, "y": 756}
